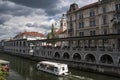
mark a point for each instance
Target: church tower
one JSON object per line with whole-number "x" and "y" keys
{"x": 63, "y": 23}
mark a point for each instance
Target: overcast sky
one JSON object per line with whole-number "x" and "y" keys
{"x": 32, "y": 15}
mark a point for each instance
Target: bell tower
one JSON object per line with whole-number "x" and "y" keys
{"x": 63, "y": 23}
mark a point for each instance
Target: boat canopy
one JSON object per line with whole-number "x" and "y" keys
{"x": 4, "y": 62}
{"x": 52, "y": 63}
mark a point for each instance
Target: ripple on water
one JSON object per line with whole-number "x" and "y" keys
{"x": 14, "y": 76}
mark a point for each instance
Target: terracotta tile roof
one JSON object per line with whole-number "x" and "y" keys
{"x": 60, "y": 32}
{"x": 64, "y": 32}
{"x": 95, "y": 4}
{"x": 35, "y": 34}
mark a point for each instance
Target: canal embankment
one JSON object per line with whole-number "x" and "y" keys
{"x": 89, "y": 67}
{"x": 25, "y": 69}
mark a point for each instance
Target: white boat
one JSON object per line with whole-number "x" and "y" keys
{"x": 53, "y": 68}
{"x": 5, "y": 65}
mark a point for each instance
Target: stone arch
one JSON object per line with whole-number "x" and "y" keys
{"x": 76, "y": 56}
{"x": 66, "y": 55}
{"x": 119, "y": 61}
{"x": 90, "y": 58}
{"x": 106, "y": 59}
{"x": 57, "y": 55}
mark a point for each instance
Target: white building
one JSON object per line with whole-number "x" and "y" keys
{"x": 30, "y": 36}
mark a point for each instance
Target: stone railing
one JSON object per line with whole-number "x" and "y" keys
{"x": 82, "y": 48}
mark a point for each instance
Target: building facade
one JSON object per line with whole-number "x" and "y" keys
{"x": 99, "y": 18}
{"x": 20, "y": 43}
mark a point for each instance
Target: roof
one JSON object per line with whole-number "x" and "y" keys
{"x": 89, "y": 6}
{"x": 35, "y": 34}
{"x": 95, "y": 4}
{"x": 60, "y": 31}
{"x": 52, "y": 63}
{"x": 4, "y": 62}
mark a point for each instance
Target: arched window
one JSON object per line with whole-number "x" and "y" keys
{"x": 76, "y": 56}
{"x": 66, "y": 56}
{"x": 119, "y": 62}
{"x": 90, "y": 58}
{"x": 57, "y": 55}
{"x": 106, "y": 59}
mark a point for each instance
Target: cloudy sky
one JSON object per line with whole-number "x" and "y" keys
{"x": 32, "y": 15}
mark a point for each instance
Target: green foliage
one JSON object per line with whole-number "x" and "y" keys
{"x": 3, "y": 74}
{"x": 52, "y": 34}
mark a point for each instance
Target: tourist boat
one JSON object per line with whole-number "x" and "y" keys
{"x": 53, "y": 68}
{"x": 5, "y": 65}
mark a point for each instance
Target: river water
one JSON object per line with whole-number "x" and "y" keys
{"x": 24, "y": 69}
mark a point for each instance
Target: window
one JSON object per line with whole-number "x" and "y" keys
{"x": 118, "y": 31}
{"x": 117, "y": 6}
{"x": 81, "y": 34}
{"x": 81, "y": 16}
{"x": 92, "y": 23}
{"x": 64, "y": 24}
{"x": 104, "y": 9}
{"x": 92, "y": 33}
{"x": 92, "y": 13}
{"x": 70, "y": 18}
{"x": 104, "y": 19}
{"x": 81, "y": 25}
{"x": 105, "y": 40}
{"x": 105, "y": 31}
{"x": 71, "y": 24}
{"x": 63, "y": 68}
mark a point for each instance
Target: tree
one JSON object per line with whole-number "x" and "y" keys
{"x": 52, "y": 34}
{"x": 3, "y": 74}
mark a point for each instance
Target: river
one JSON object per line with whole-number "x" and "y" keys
{"x": 24, "y": 69}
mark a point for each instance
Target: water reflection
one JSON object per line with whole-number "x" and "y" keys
{"x": 28, "y": 70}
{"x": 23, "y": 69}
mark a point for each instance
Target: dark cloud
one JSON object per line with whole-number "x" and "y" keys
{"x": 48, "y": 5}
{"x": 13, "y": 9}
{"x": 45, "y": 4}
{"x": 4, "y": 18}
{"x": 32, "y": 25}
{"x": 56, "y": 11}
{"x": 38, "y": 26}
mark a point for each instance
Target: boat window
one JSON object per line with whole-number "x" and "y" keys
{"x": 51, "y": 68}
{"x": 42, "y": 65}
{"x": 55, "y": 69}
{"x": 63, "y": 68}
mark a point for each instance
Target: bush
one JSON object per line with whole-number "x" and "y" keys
{"x": 3, "y": 74}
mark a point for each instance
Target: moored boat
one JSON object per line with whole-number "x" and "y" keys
{"x": 58, "y": 69}
{"x": 5, "y": 65}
